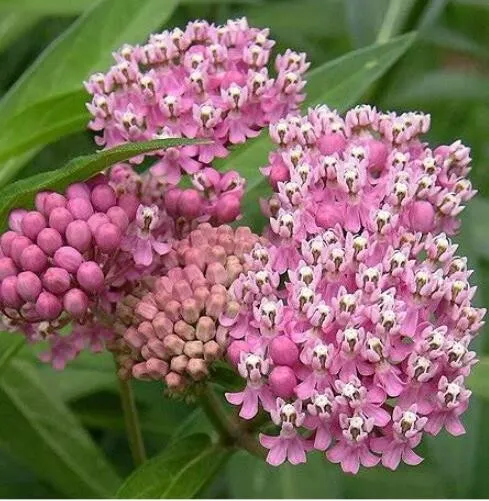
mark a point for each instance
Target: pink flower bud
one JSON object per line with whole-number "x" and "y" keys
{"x": 90, "y": 276}
{"x": 206, "y": 329}
{"x": 6, "y": 242}
{"x": 108, "y": 237}
{"x": 18, "y": 245}
{"x": 118, "y": 217}
{"x": 80, "y": 208}
{"x": 422, "y": 216}
{"x": 33, "y": 259}
{"x": 68, "y": 258}
{"x": 179, "y": 363}
{"x": 28, "y": 286}
{"x": 75, "y": 302}
{"x": 227, "y": 209}
{"x": 32, "y": 223}
{"x": 7, "y": 268}
{"x": 282, "y": 381}
{"x": 53, "y": 200}
{"x": 48, "y": 306}
{"x": 15, "y": 219}
{"x": 78, "y": 190}
{"x": 234, "y": 350}
{"x": 190, "y": 204}
{"x": 377, "y": 154}
{"x": 97, "y": 220}
{"x": 278, "y": 173}
{"x": 60, "y": 218}
{"x": 130, "y": 204}
{"x": 332, "y": 143}
{"x": 9, "y": 293}
{"x": 174, "y": 344}
{"x": 56, "y": 280}
{"x": 283, "y": 351}
{"x": 103, "y": 197}
{"x": 39, "y": 201}
{"x": 172, "y": 196}
{"x": 78, "y": 235}
{"x": 49, "y": 240}
{"x": 174, "y": 381}
{"x": 197, "y": 368}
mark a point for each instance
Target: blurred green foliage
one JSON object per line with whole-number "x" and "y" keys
{"x": 62, "y": 435}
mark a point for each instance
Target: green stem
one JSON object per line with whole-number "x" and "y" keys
{"x": 131, "y": 418}
{"x": 232, "y": 433}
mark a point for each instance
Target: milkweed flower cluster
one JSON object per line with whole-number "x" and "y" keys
{"x": 356, "y": 319}
{"x": 71, "y": 259}
{"x": 178, "y": 323}
{"x": 205, "y": 81}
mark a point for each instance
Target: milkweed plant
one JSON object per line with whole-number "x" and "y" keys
{"x": 347, "y": 323}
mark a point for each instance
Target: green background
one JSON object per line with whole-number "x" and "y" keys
{"x": 61, "y": 435}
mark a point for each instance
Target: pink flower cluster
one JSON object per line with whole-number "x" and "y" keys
{"x": 356, "y": 319}
{"x": 206, "y": 81}
{"x": 177, "y": 324}
{"x": 70, "y": 259}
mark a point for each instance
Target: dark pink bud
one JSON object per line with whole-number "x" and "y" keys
{"x": 7, "y": 268}
{"x": 32, "y": 223}
{"x": 90, "y": 277}
{"x": 75, "y": 302}
{"x": 56, "y": 280}
{"x": 19, "y": 243}
{"x": 78, "y": 190}
{"x": 49, "y": 240}
{"x": 48, "y": 306}
{"x": 28, "y": 286}
{"x": 6, "y": 242}
{"x": 278, "y": 173}
{"x": 53, "y": 200}
{"x": 377, "y": 154}
{"x": 422, "y": 216}
{"x": 33, "y": 259}
{"x": 332, "y": 143}
{"x": 108, "y": 237}
{"x": 227, "y": 209}
{"x": 80, "y": 208}
{"x": 40, "y": 200}
{"x": 283, "y": 351}
{"x": 68, "y": 258}
{"x": 118, "y": 216}
{"x": 10, "y": 296}
{"x": 97, "y": 220}
{"x": 282, "y": 381}
{"x": 172, "y": 197}
{"x": 15, "y": 219}
{"x": 130, "y": 204}
{"x": 60, "y": 218}
{"x": 78, "y": 235}
{"x": 103, "y": 197}
{"x": 234, "y": 351}
{"x": 96, "y": 180}
{"x": 190, "y": 204}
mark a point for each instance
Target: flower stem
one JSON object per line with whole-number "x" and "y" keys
{"x": 131, "y": 418}
{"x": 230, "y": 430}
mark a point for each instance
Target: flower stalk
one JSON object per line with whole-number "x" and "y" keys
{"x": 131, "y": 419}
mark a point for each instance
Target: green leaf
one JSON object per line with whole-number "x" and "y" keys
{"x": 339, "y": 84}
{"x": 22, "y": 192}
{"x": 180, "y": 471}
{"x": 82, "y": 49}
{"x": 10, "y": 345}
{"x": 39, "y": 430}
{"x": 13, "y": 24}
{"x": 53, "y": 118}
{"x": 364, "y": 18}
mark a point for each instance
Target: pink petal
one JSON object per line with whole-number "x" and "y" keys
{"x": 322, "y": 439}
{"x": 410, "y": 457}
{"x": 143, "y": 254}
{"x": 277, "y": 453}
{"x": 250, "y": 404}
{"x": 235, "y": 398}
{"x": 295, "y": 451}
{"x": 367, "y": 458}
{"x": 392, "y": 456}
{"x": 454, "y": 426}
